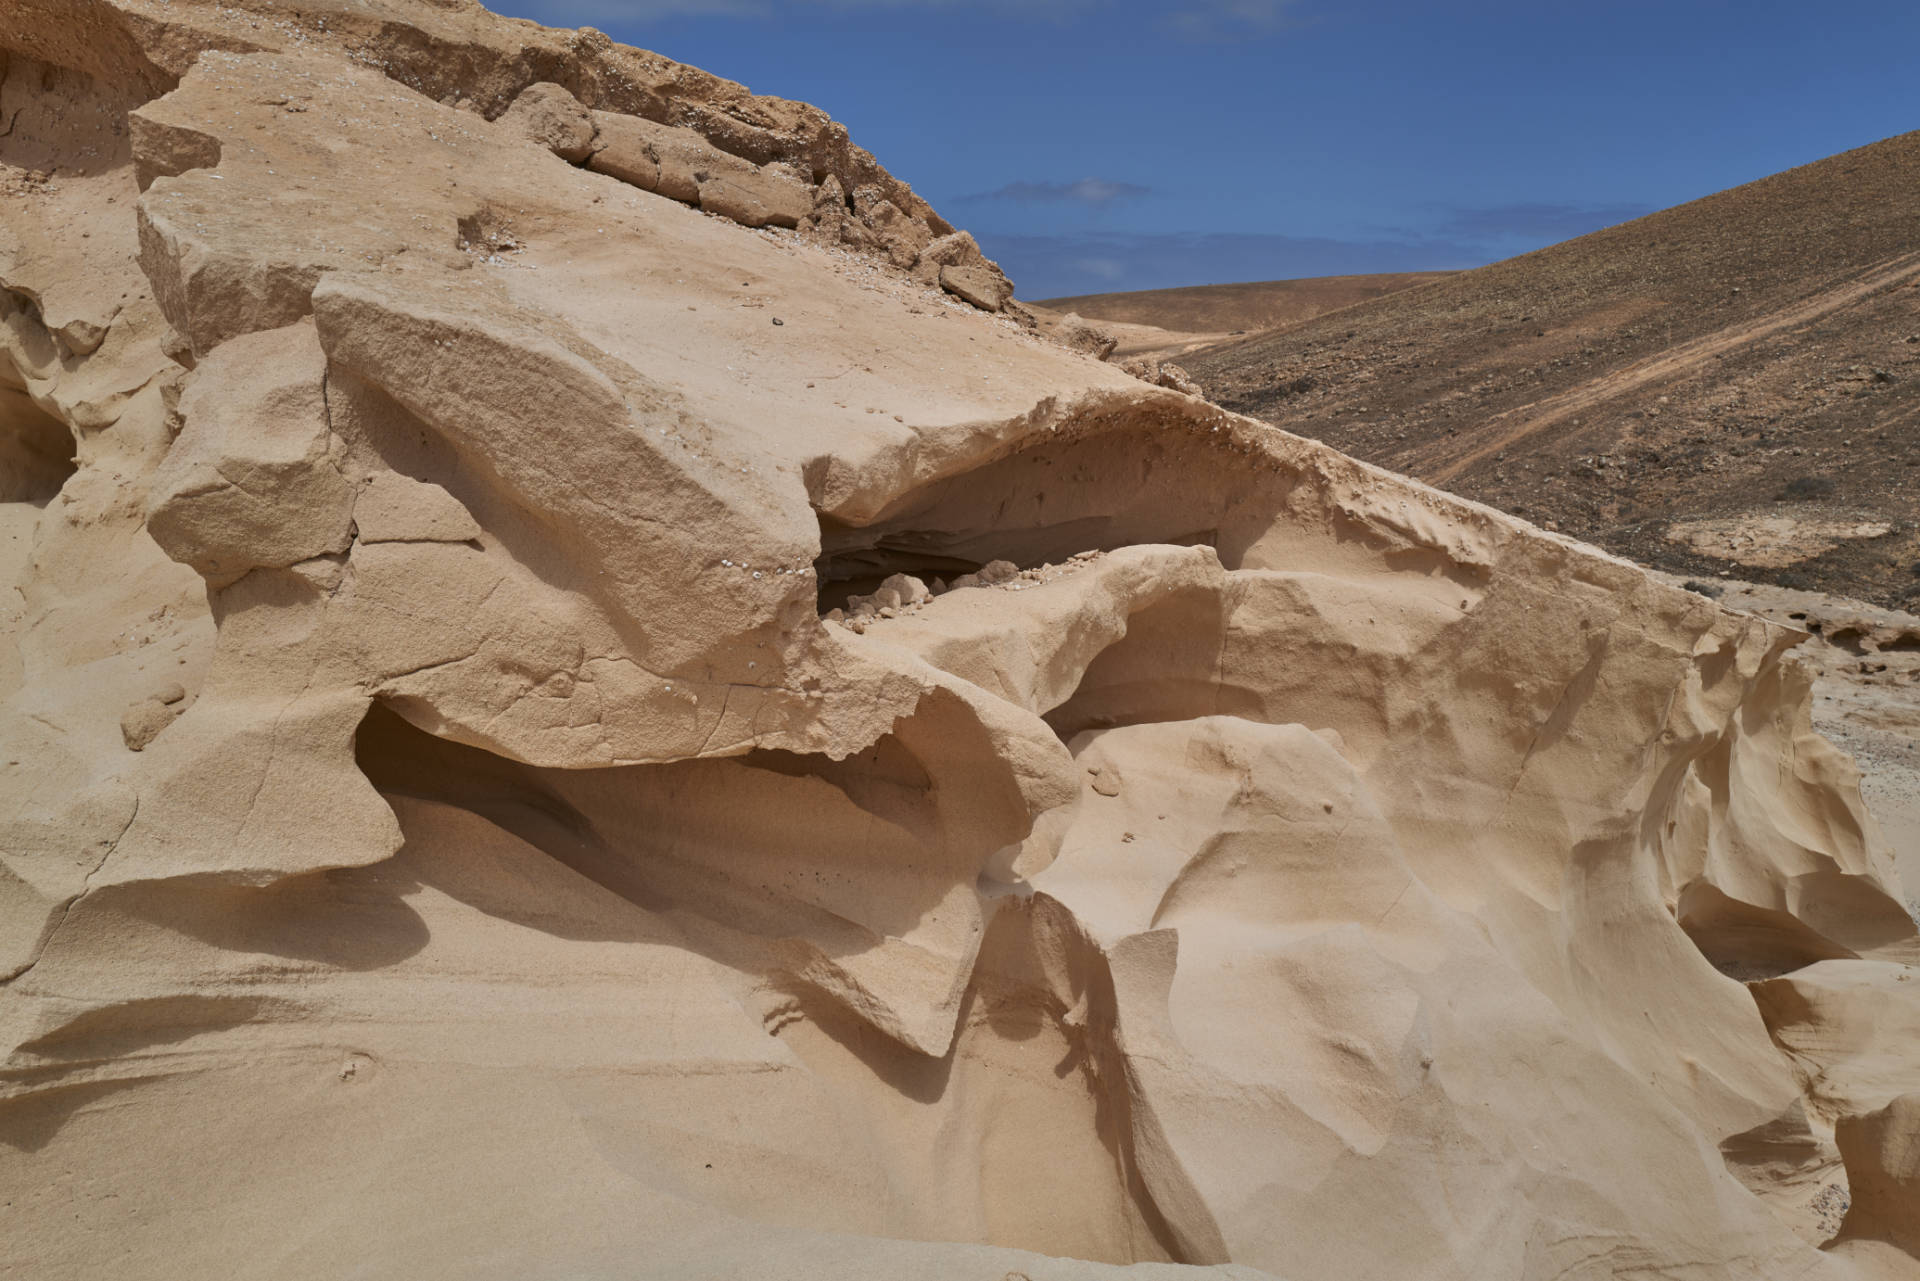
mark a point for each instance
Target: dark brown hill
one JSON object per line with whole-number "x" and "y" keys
{"x": 1732, "y": 384}
{"x": 1262, "y": 304}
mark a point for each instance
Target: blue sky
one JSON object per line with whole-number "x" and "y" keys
{"x": 1097, "y": 145}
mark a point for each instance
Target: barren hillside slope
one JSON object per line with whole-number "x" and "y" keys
{"x": 1733, "y": 384}
{"x": 1253, "y": 305}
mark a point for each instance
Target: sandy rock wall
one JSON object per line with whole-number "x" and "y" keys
{"x": 751, "y": 158}
{"x": 448, "y": 830}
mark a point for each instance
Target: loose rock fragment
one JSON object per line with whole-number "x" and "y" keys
{"x": 144, "y": 720}
{"x": 984, "y": 289}
{"x": 548, "y": 115}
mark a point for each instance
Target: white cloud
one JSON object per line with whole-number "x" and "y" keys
{"x": 1218, "y": 19}
{"x": 1098, "y": 192}
{"x": 1101, "y": 268}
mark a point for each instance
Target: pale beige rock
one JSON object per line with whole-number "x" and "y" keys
{"x": 1882, "y": 1151}
{"x": 910, "y": 590}
{"x": 252, "y": 480}
{"x": 167, "y": 148}
{"x": 1253, "y": 864}
{"x": 1161, "y": 373}
{"x": 896, "y": 233}
{"x": 549, "y": 116}
{"x": 984, "y": 289}
{"x": 627, "y": 148}
{"x": 142, "y": 722}
{"x": 679, "y": 164}
{"x": 958, "y": 249}
{"x": 391, "y": 508}
{"x": 765, "y": 197}
{"x": 1079, "y": 335}
{"x": 973, "y": 277}
{"x": 1849, "y": 1026}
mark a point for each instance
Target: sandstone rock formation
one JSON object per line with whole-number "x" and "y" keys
{"x": 447, "y": 830}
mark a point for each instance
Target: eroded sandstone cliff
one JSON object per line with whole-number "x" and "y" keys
{"x": 491, "y": 787}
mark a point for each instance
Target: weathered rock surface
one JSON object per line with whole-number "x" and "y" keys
{"x": 978, "y": 286}
{"x": 1185, "y": 846}
{"x": 1073, "y": 332}
{"x": 1161, "y": 373}
{"x": 251, "y": 481}
{"x": 549, "y": 116}
{"x": 1882, "y": 1151}
{"x": 679, "y": 164}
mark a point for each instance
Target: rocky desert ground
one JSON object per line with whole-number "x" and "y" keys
{"x": 588, "y": 694}
{"x": 1730, "y": 385}
{"x": 1179, "y": 322}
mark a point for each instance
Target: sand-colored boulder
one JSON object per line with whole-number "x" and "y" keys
{"x": 143, "y": 721}
{"x": 765, "y": 197}
{"x": 252, "y": 482}
{"x": 629, "y": 148}
{"x": 895, "y": 233}
{"x": 1079, "y": 335}
{"x": 983, "y": 288}
{"x": 954, "y": 262}
{"x": 959, "y": 249}
{"x": 1161, "y": 373}
{"x": 679, "y": 164}
{"x": 548, "y": 116}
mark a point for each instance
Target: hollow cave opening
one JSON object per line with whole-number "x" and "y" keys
{"x": 858, "y": 562}
{"x": 849, "y": 565}
{"x": 1851, "y": 639}
{"x": 36, "y": 450}
{"x": 1044, "y": 504}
